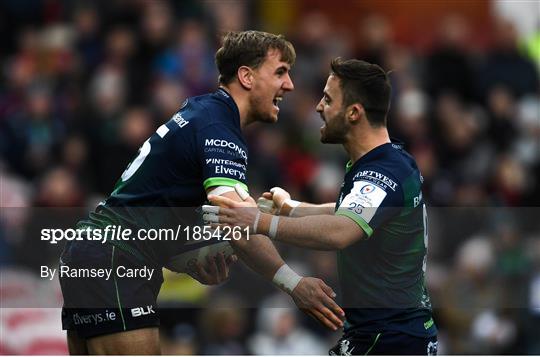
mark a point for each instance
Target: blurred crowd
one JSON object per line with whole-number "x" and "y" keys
{"x": 84, "y": 83}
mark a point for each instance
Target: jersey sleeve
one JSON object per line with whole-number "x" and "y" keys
{"x": 223, "y": 156}
{"x": 371, "y": 202}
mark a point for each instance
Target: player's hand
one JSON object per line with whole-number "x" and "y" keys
{"x": 230, "y": 212}
{"x": 266, "y": 205}
{"x": 214, "y": 214}
{"x": 215, "y": 270}
{"x": 277, "y": 196}
{"x": 247, "y": 200}
{"x": 316, "y": 299}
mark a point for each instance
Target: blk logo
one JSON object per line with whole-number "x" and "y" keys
{"x": 142, "y": 311}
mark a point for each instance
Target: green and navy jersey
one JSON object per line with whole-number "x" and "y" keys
{"x": 382, "y": 276}
{"x": 201, "y": 146}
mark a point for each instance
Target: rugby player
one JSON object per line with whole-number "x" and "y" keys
{"x": 199, "y": 151}
{"x": 377, "y": 225}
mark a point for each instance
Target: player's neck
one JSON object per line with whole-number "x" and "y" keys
{"x": 363, "y": 141}
{"x": 241, "y": 101}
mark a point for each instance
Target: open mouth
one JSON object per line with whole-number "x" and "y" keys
{"x": 324, "y": 122}
{"x": 276, "y": 101}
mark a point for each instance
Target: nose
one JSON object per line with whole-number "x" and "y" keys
{"x": 319, "y": 107}
{"x": 288, "y": 84}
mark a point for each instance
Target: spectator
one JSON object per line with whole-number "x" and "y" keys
{"x": 279, "y": 332}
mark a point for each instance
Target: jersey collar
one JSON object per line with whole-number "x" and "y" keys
{"x": 394, "y": 144}
{"x": 397, "y": 144}
{"x": 223, "y": 92}
{"x": 227, "y": 98}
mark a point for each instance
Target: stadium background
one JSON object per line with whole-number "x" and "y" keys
{"x": 84, "y": 83}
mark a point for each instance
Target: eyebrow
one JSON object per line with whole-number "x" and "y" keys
{"x": 283, "y": 68}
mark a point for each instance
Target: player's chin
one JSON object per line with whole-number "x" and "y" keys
{"x": 325, "y": 139}
{"x": 272, "y": 118}
{"x": 274, "y": 114}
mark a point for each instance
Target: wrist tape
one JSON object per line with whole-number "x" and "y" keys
{"x": 266, "y": 224}
{"x": 286, "y": 278}
{"x": 272, "y": 231}
{"x": 256, "y": 222}
{"x": 288, "y": 206}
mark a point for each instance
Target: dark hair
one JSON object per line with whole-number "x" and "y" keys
{"x": 364, "y": 83}
{"x": 249, "y": 48}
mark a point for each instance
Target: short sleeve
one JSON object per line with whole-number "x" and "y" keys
{"x": 223, "y": 156}
{"x": 370, "y": 204}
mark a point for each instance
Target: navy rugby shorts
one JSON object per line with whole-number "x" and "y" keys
{"x": 384, "y": 343}
{"x": 100, "y": 296}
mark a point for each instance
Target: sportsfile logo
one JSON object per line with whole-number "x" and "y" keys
{"x": 94, "y": 318}
{"x": 142, "y": 311}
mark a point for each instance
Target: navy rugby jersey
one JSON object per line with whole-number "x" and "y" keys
{"x": 201, "y": 146}
{"x": 382, "y": 276}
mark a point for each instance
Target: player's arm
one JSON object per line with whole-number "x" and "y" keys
{"x": 226, "y": 168}
{"x": 278, "y": 201}
{"x": 310, "y": 294}
{"x": 364, "y": 208}
{"x": 321, "y": 232}
{"x": 261, "y": 255}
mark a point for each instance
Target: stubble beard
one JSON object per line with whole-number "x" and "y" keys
{"x": 337, "y": 132}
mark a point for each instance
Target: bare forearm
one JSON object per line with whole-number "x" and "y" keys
{"x": 322, "y": 232}
{"x": 315, "y": 232}
{"x": 259, "y": 254}
{"x": 311, "y": 209}
{"x": 257, "y": 251}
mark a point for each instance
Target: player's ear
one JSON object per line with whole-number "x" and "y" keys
{"x": 355, "y": 112}
{"x": 245, "y": 77}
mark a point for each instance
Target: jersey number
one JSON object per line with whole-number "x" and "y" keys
{"x": 356, "y": 207}
{"x": 143, "y": 153}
